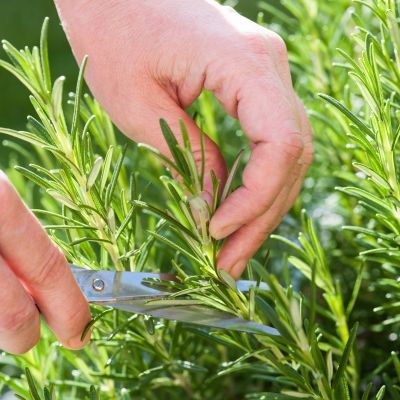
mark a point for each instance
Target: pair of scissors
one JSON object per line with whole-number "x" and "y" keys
{"x": 130, "y": 291}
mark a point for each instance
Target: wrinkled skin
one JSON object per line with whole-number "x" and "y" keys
{"x": 33, "y": 270}
{"x": 150, "y": 60}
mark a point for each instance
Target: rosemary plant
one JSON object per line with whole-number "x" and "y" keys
{"x": 328, "y": 298}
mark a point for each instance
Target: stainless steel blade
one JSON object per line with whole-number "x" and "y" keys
{"x": 115, "y": 285}
{"x": 194, "y": 314}
{"x": 108, "y": 286}
{"x": 127, "y": 291}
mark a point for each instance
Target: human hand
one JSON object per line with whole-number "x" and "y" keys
{"x": 34, "y": 271}
{"x": 151, "y": 59}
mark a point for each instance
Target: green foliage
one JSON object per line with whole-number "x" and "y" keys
{"x": 333, "y": 297}
{"x": 48, "y": 391}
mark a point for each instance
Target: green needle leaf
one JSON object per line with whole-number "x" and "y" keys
{"x": 45, "y": 56}
{"x": 94, "y": 172}
{"x": 340, "y": 373}
{"x": 227, "y": 279}
{"x": 77, "y": 100}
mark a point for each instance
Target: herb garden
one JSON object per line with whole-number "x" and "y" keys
{"x": 332, "y": 267}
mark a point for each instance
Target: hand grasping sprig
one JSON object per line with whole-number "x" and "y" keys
{"x": 140, "y": 72}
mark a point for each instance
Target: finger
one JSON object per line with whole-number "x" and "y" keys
{"x": 308, "y": 152}
{"x": 41, "y": 267}
{"x": 268, "y": 116}
{"x": 243, "y": 244}
{"x": 19, "y": 318}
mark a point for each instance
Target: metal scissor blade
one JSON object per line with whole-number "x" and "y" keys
{"x": 109, "y": 286}
{"x": 195, "y": 314}
{"x": 128, "y": 291}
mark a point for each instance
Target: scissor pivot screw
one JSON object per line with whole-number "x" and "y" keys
{"x": 98, "y": 285}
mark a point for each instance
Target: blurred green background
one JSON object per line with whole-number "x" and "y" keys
{"x": 20, "y": 23}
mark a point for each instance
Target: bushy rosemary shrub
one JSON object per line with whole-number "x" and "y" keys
{"x": 333, "y": 288}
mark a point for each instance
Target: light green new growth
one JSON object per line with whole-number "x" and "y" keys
{"x": 83, "y": 183}
{"x": 103, "y": 203}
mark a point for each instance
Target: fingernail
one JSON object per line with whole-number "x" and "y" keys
{"x": 77, "y": 343}
{"x": 238, "y": 268}
{"x": 224, "y": 231}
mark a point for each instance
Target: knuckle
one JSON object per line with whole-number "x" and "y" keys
{"x": 77, "y": 319}
{"x": 278, "y": 45}
{"x": 264, "y": 233}
{"x": 22, "y": 347}
{"x": 257, "y": 43}
{"x": 198, "y": 155}
{"x": 74, "y": 322}
{"x": 308, "y": 155}
{"x": 15, "y": 322}
{"x": 51, "y": 269}
{"x": 266, "y": 43}
{"x": 293, "y": 147}
{"x": 211, "y": 157}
